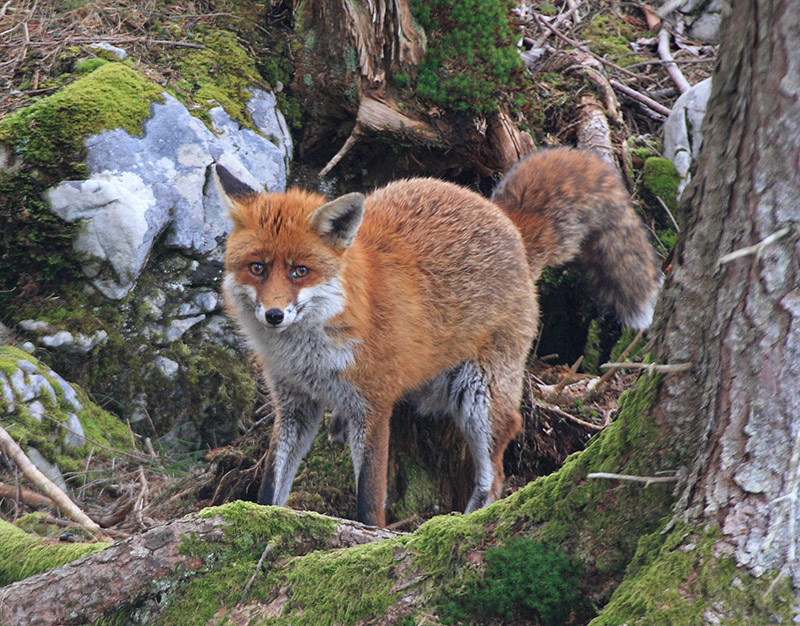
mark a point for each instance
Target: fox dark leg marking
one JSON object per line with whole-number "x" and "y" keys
{"x": 371, "y": 464}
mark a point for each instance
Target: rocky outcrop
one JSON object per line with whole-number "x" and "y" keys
{"x": 142, "y": 188}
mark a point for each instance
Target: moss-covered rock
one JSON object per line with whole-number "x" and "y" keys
{"x": 41, "y": 410}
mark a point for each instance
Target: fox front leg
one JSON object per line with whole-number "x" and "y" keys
{"x": 369, "y": 448}
{"x": 296, "y": 424}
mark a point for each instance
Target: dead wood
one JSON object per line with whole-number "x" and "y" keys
{"x": 125, "y": 573}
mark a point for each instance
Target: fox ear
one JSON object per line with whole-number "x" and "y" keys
{"x": 231, "y": 189}
{"x": 337, "y": 221}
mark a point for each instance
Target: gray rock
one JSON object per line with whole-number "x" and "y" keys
{"x": 28, "y": 347}
{"x": 167, "y": 367}
{"x": 63, "y": 340}
{"x": 208, "y": 301}
{"x": 104, "y": 45}
{"x": 36, "y": 326}
{"x": 36, "y": 410}
{"x": 6, "y": 392}
{"x": 74, "y": 436}
{"x": 683, "y": 134}
{"x": 67, "y": 392}
{"x": 178, "y": 327}
{"x": 702, "y": 19}
{"x": 45, "y": 467}
{"x": 141, "y": 187}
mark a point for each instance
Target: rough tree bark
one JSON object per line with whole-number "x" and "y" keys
{"x": 736, "y": 318}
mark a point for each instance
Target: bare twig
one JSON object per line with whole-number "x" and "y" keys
{"x": 568, "y": 416}
{"x": 594, "y": 389}
{"x": 640, "y": 97}
{"x": 650, "y": 368}
{"x": 267, "y": 549}
{"x": 669, "y": 213}
{"x": 647, "y": 480}
{"x": 756, "y": 249}
{"x": 669, "y": 63}
{"x": 47, "y": 486}
{"x": 568, "y": 376}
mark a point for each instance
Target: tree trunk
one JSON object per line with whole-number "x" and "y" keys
{"x": 736, "y": 319}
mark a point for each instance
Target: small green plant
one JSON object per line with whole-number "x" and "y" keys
{"x": 471, "y": 56}
{"x": 524, "y": 579}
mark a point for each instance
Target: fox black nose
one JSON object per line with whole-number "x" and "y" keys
{"x": 274, "y": 317}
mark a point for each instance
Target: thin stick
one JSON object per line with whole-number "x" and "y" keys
{"x": 673, "y": 70}
{"x": 267, "y": 550}
{"x": 651, "y": 367}
{"x": 563, "y": 382}
{"x": 636, "y": 95}
{"x": 351, "y": 141}
{"x": 669, "y": 213}
{"x": 562, "y": 413}
{"x": 47, "y": 486}
{"x": 647, "y": 480}
{"x": 559, "y": 20}
{"x": 756, "y": 249}
{"x": 593, "y": 389}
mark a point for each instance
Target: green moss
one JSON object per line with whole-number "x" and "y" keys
{"x": 420, "y": 490}
{"x": 232, "y": 561}
{"x": 23, "y": 555}
{"x": 35, "y": 245}
{"x": 219, "y": 74}
{"x": 525, "y": 580}
{"x": 471, "y": 58}
{"x": 46, "y": 436}
{"x": 339, "y": 587}
{"x": 678, "y": 578}
{"x": 661, "y": 179}
{"x": 49, "y": 134}
{"x": 89, "y": 65}
{"x": 592, "y": 349}
{"x": 611, "y": 37}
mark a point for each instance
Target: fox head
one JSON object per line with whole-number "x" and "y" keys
{"x": 284, "y": 256}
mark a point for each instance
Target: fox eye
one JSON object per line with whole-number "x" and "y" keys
{"x": 298, "y": 271}
{"x": 257, "y": 269}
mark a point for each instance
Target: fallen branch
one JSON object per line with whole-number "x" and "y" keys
{"x": 123, "y": 574}
{"x": 593, "y": 131}
{"x": 568, "y": 376}
{"x": 640, "y": 97}
{"x": 47, "y": 486}
{"x": 673, "y": 70}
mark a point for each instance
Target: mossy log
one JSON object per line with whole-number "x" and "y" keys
{"x": 150, "y": 564}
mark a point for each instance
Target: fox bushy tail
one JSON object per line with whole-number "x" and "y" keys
{"x": 571, "y": 206}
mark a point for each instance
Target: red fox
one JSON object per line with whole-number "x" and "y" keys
{"x": 421, "y": 291}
